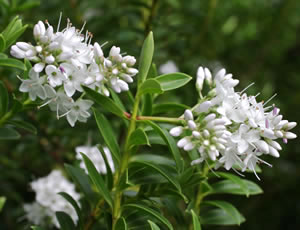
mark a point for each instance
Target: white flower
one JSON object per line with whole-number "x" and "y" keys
{"x": 168, "y": 67}
{"x": 48, "y": 201}
{"x": 96, "y": 157}
{"x": 34, "y": 86}
{"x": 79, "y": 111}
{"x": 55, "y": 76}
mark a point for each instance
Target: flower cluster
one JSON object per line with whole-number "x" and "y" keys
{"x": 231, "y": 128}
{"x": 66, "y": 60}
{"x": 48, "y": 201}
{"x": 96, "y": 157}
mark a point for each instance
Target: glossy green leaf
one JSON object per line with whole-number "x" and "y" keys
{"x": 150, "y": 86}
{"x": 121, "y": 224}
{"x": 173, "y": 80}
{"x": 104, "y": 101}
{"x": 151, "y": 212}
{"x": 3, "y": 99}
{"x": 152, "y": 71}
{"x": 108, "y": 135}
{"x": 167, "y": 107}
{"x": 7, "y": 133}
{"x": 171, "y": 144}
{"x": 36, "y": 228}
{"x": 138, "y": 137}
{"x": 196, "y": 222}
{"x": 97, "y": 180}
{"x": 15, "y": 34}
{"x": 237, "y": 180}
{"x": 9, "y": 28}
{"x": 146, "y": 58}
{"x": 153, "y": 225}
{"x": 10, "y": 62}
{"x": 161, "y": 171}
{"x": 218, "y": 217}
{"x": 2, "y": 43}
{"x": 2, "y": 202}
{"x": 147, "y": 105}
{"x": 229, "y": 187}
{"x": 28, "y": 67}
{"x": 23, "y": 125}
{"x": 75, "y": 206}
{"x": 117, "y": 100}
{"x": 109, "y": 174}
{"x": 82, "y": 180}
{"x": 229, "y": 209}
{"x": 65, "y": 221}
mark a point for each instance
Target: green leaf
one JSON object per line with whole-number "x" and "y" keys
{"x": 28, "y": 67}
{"x": 13, "y": 25}
{"x": 237, "y": 180}
{"x": 36, "y": 228}
{"x": 147, "y": 105}
{"x": 151, "y": 212}
{"x": 2, "y": 43}
{"x": 218, "y": 217}
{"x": 97, "y": 180}
{"x": 7, "y": 133}
{"x": 146, "y": 58}
{"x": 229, "y": 209}
{"x": 167, "y": 107}
{"x": 2, "y": 202}
{"x": 75, "y": 206}
{"x": 150, "y": 86}
{"x": 2, "y": 55}
{"x": 171, "y": 144}
{"x": 138, "y": 137}
{"x": 121, "y": 224}
{"x": 10, "y": 62}
{"x": 172, "y": 81}
{"x": 104, "y": 101}
{"x": 82, "y": 180}
{"x": 107, "y": 134}
{"x": 65, "y": 221}
{"x": 3, "y": 99}
{"x": 152, "y": 71}
{"x": 117, "y": 100}
{"x": 196, "y": 222}
{"x": 161, "y": 171}
{"x": 15, "y": 34}
{"x": 229, "y": 187}
{"x": 153, "y": 225}
{"x": 109, "y": 174}
{"x": 23, "y": 125}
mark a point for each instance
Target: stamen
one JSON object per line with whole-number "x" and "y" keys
{"x": 211, "y": 169}
{"x": 262, "y": 161}
{"x": 60, "y": 15}
{"x": 65, "y": 113}
{"x": 45, "y": 104}
{"x": 252, "y": 168}
{"x": 247, "y": 87}
{"x": 104, "y": 44}
{"x": 20, "y": 78}
{"x": 82, "y": 27}
{"x": 270, "y": 99}
{"x": 237, "y": 172}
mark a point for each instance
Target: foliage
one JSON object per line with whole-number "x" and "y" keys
{"x": 156, "y": 186}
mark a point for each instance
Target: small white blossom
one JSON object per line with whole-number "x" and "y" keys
{"x": 96, "y": 157}
{"x": 48, "y": 201}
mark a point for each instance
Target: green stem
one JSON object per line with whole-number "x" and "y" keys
{"x": 161, "y": 119}
{"x": 124, "y": 162}
{"x": 6, "y": 116}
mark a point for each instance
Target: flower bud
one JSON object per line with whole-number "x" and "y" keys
{"x": 203, "y": 107}
{"x": 290, "y": 135}
{"x": 200, "y": 78}
{"x": 192, "y": 125}
{"x": 176, "y": 131}
{"x": 182, "y": 142}
{"x": 188, "y": 115}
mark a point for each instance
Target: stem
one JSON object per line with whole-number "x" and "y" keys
{"x": 161, "y": 119}
{"x": 124, "y": 162}
{"x": 92, "y": 217}
{"x": 6, "y": 116}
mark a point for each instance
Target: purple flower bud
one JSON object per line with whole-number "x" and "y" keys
{"x": 285, "y": 141}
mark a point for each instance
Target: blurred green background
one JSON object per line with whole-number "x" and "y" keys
{"x": 256, "y": 40}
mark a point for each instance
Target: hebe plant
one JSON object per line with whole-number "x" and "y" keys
{"x": 129, "y": 184}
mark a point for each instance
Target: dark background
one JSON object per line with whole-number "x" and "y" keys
{"x": 256, "y": 40}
